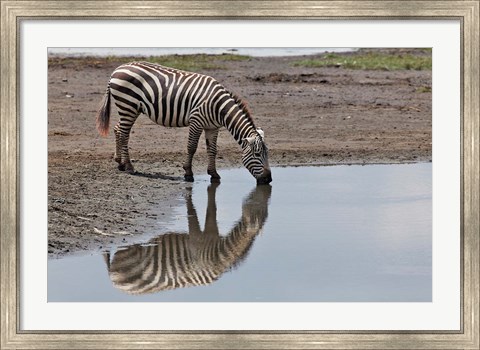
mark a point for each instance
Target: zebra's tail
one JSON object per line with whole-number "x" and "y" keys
{"x": 103, "y": 116}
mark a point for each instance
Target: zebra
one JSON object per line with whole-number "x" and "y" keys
{"x": 176, "y": 98}
{"x": 177, "y": 260}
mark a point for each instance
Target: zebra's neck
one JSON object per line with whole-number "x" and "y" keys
{"x": 238, "y": 121}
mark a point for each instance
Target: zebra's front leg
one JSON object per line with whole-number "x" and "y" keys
{"x": 193, "y": 136}
{"x": 122, "y": 156}
{"x": 211, "y": 224}
{"x": 211, "y": 136}
{"x": 193, "y": 223}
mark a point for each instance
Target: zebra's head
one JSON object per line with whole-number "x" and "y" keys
{"x": 255, "y": 157}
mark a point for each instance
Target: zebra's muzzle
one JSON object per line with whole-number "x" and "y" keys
{"x": 265, "y": 179}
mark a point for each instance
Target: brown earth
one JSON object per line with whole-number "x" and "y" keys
{"x": 311, "y": 116}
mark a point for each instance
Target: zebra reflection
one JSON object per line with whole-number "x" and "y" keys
{"x": 177, "y": 260}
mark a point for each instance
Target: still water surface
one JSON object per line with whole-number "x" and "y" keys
{"x": 326, "y": 234}
{"x": 161, "y": 51}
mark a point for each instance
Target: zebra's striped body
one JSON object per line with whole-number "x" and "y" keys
{"x": 178, "y": 260}
{"x": 175, "y": 98}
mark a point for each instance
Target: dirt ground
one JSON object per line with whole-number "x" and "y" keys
{"x": 311, "y": 116}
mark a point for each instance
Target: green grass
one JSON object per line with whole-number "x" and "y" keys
{"x": 370, "y": 61}
{"x": 423, "y": 89}
{"x": 183, "y": 62}
{"x": 196, "y": 62}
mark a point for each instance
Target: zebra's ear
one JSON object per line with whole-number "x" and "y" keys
{"x": 248, "y": 140}
{"x": 261, "y": 133}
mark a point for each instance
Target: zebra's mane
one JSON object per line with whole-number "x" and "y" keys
{"x": 244, "y": 107}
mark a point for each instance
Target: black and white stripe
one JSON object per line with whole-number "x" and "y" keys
{"x": 177, "y": 260}
{"x": 176, "y": 98}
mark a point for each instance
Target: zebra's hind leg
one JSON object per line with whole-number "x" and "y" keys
{"x": 122, "y": 135}
{"x": 211, "y": 136}
{"x": 194, "y": 133}
{"x": 118, "y": 150}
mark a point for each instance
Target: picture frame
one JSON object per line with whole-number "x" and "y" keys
{"x": 12, "y": 13}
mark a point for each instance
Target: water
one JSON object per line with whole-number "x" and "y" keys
{"x": 161, "y": 51}
{"x": 325, "y": 234}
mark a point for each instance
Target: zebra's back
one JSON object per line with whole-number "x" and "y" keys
{"x": 167, "y": 96}
{"x": 170, "y": 261}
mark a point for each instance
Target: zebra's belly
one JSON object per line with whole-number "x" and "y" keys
{"x": 176, "y": 121}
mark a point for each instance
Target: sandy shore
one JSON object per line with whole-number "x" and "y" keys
{"x": 311, "y": 116}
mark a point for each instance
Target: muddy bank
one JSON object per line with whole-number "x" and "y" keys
{"x": 314, "y": 116}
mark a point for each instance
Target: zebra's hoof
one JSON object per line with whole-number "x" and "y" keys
{"x": 189, "y": 178}
{"x": 121, "y": 167}
{"x": 215, "y": 180}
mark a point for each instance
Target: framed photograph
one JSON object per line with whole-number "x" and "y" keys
{"x": 300, "y": 174}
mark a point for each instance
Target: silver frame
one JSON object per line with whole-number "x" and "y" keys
{"x": 12, "y": 12}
